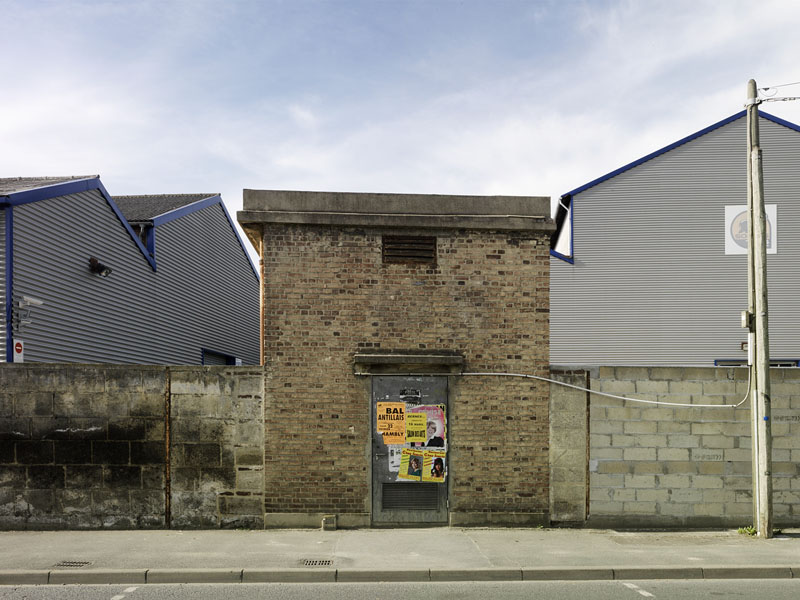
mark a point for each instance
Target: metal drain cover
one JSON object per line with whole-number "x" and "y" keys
{"x": 325, "y": 562}
{"x": 72, "y": 564}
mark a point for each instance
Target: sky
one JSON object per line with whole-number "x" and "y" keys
{"x": 480, "y": 97}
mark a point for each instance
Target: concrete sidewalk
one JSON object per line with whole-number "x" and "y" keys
{"x": 431, "y": 554}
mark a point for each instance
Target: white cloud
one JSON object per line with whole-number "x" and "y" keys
{"x": 215, "y": 96}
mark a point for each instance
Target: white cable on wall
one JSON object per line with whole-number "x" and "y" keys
{"x": 574, "y": 387}
{"x": 596, "y": 393}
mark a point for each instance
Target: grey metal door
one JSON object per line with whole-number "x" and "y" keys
{"x": 409, "y": 450}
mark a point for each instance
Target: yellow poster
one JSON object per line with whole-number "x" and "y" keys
{"x": 390, "y": 421}
{"x": 411, "y": 463}
{"x": 433, "y": 466}
{"x": 416, "y": 424}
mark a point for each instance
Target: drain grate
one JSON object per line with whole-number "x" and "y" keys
{"x": 325, "y": 562}
{"x": 73, "y": 564}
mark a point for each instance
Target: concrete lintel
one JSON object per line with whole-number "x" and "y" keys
{"x": 405, "y": 359}
{"x": 393, "y": 364}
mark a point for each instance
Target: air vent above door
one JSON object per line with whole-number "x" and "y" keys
{"x": 409, "y": 249}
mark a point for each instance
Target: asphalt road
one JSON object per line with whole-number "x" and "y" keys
{"x": 673, "y": 589}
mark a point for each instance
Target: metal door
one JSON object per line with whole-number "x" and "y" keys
{"x": 409, "y": 422}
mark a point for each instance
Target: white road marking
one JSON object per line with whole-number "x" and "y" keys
{"x": 118, "y": 597}
{"x": 130, "y": 589}
{"x": 636, "y": 588}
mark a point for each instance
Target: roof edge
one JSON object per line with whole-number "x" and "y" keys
{"x": 659, "y": 152}
{"x": 66, "y": 188}
{"x": 188, "y": 209}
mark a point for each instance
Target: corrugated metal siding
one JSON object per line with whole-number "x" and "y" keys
{"x": 127, "y": 317}
{"x": 204, "y": 273}
{"x": 651, "y": 284}
{"x": 2, "y": 285}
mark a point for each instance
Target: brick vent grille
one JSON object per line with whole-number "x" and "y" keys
{"x": 409, "y": 249}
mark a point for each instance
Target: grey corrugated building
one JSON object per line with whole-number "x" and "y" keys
{"x": 648, "y": 265}
{"x": 135, "y": 279}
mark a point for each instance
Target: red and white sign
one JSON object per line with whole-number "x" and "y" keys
{"x": 19, "y": 351}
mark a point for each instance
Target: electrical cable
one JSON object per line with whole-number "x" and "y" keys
{"x": 771, "y": 87}
{"x": 576, "y": 387}
{"x": 569, "y": 385}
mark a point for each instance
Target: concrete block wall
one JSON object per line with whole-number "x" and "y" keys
{"x": 85, "y": 446}
{"x": 569, "y": 424}
{"x": 81, "y": 447}
{"x": 327, "y": 296}
{"x": 657, "y": 465}
{"x": 217, "y": 447}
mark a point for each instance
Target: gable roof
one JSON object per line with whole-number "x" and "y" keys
{"x": 12, "y": 185}
{"x": 565, "y": 208}
{"x": 148, "y": 207}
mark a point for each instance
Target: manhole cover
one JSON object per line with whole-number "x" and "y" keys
{"x": 72, "y": 564}
{"x": 317, "y": 562}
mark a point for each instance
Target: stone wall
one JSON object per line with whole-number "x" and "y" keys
{"x": 672, "y": 466}
{"x": 217, "y": 447}
{"x": 328, "y": 296}
{"x": 85, "y": 446}
{"x": 81, "y": 447}
{"x": 569, "y": 426}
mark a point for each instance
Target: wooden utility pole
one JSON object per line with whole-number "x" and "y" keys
{"x": 758, "y": 324}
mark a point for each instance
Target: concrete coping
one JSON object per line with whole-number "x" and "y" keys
{"x": 419, "y": 211}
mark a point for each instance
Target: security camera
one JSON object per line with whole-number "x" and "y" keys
{"x": 28, "y": 301}
{"x": 98, "y": 268}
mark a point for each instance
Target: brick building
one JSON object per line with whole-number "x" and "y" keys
{"x": 373, "y": 306}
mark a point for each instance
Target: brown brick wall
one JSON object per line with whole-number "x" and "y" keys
{"x": 327, "y": 296}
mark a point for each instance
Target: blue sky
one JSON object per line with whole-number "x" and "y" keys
{"x": 416, "y": 96}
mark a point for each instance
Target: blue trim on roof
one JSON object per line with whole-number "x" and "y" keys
{"x": 653, "y": 155}
{"x": 796, "y": 361}
{"x": 9, "y": 282}
{"x": 779, "y": 121}
{"x": 75, "y": 187}
{"x": 665, "y": 149}
{"x": 150, "y": 239}
{"x": 241, "y": 242}
{"x": 46, "y": 192}
{"x": 568, "y": 259}
{"x": 571, "y": 214}
{"x": 186, "y": 210}
{"x": 150, "y": 258}
{"x": 200, "y": 205}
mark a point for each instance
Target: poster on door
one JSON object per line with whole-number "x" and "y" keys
{"x": 391, "y": 422}
{"x": 435, "y": 433}
{"x": 422, "y": 465}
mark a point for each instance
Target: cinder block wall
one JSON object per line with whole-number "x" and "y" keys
{"x": 85, "y": 446}
{"x": 327, "y": 296}
{"x": 216, "y": 447}
{"x": 656, "y": 465}
{"x": 81, "y": 447}
{"x": 569, "y": 449}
